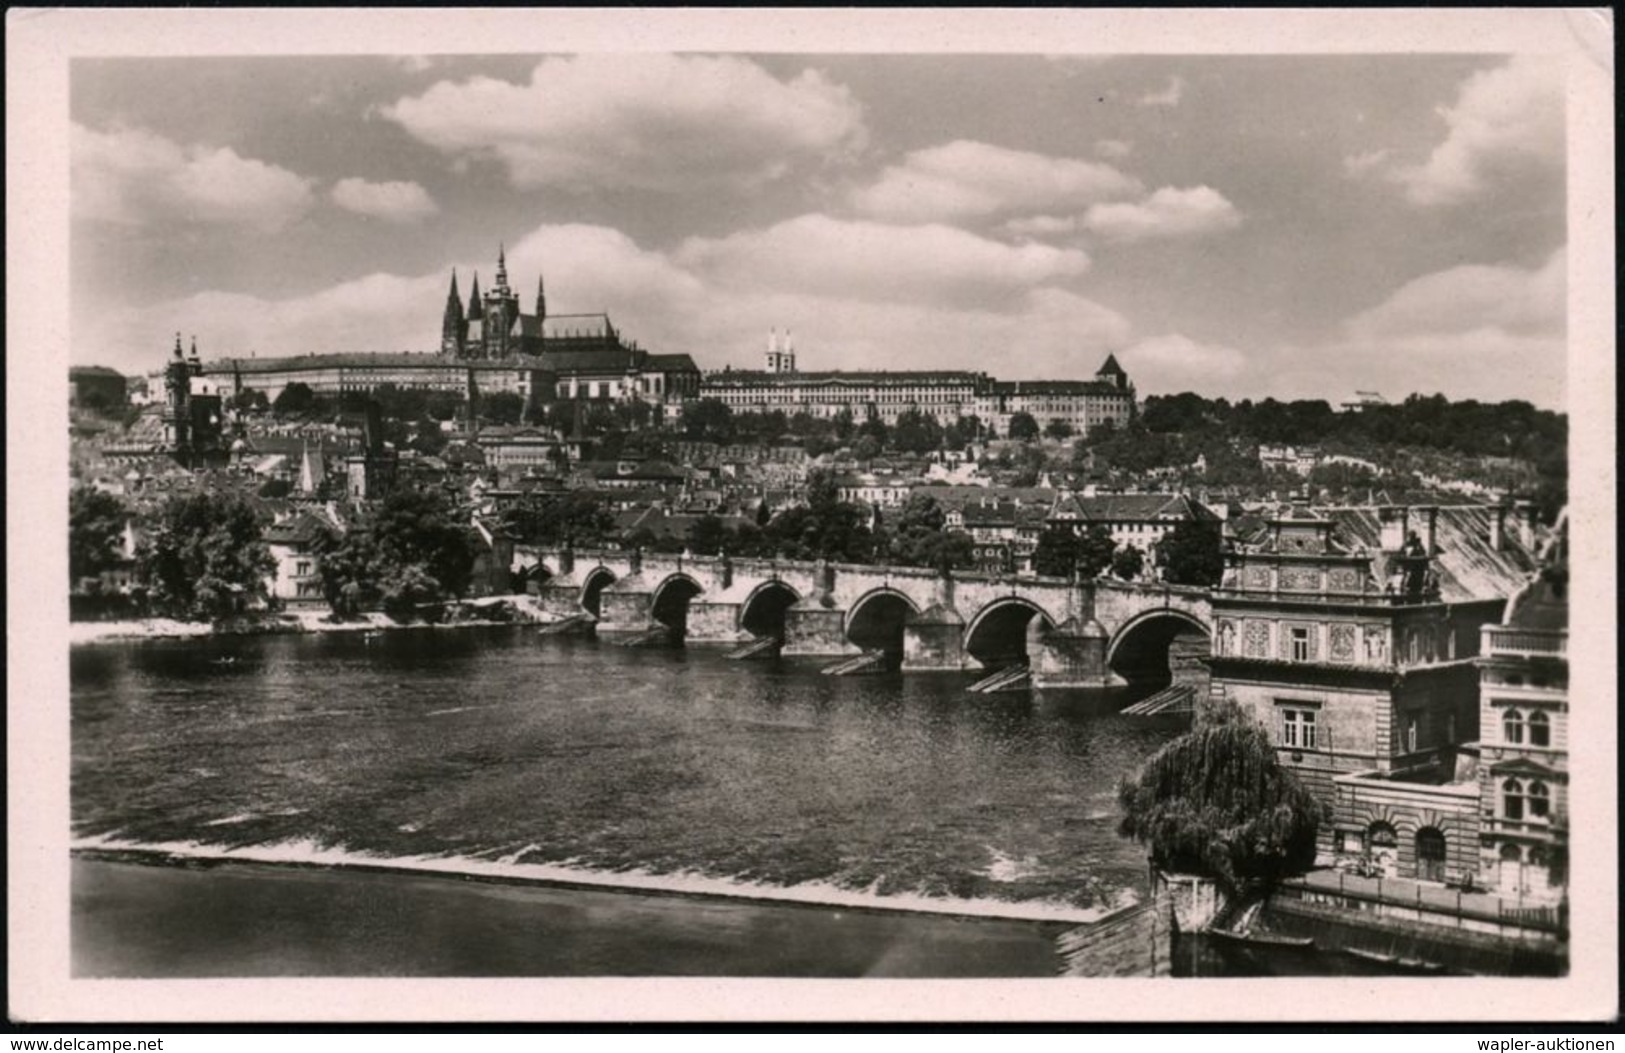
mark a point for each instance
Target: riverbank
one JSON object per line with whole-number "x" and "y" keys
{"x": 243, "y": 919}
{"x": 519, "y": 609}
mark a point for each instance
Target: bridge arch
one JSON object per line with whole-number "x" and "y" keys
{"x": 875, "y": 622}
{"x": 997, "y": 634}
{"x": 668, "y": 604}
{"x": 592, "y": 589}
{"x": 1149, "y": 645}
{"x": 763, "y": 612}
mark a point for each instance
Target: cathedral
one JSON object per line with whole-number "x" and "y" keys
{"x": 493, "y": 327}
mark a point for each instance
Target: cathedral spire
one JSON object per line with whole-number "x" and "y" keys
{"x": 474, "y": 309}
{"x": 502, "y": 266}
{"x": 453, "y": 324}
{"x": 541, "y": 298}
{"x": 178, "y": 352}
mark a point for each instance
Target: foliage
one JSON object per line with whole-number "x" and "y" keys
{"x": 1191, "y": 554}
{"x": 410, "y": 552}
{"x": 275, "y": 488}
{"x": 1127, "y": 562}
{"x": 1063, "y": 551}
{"x": 205, "y": 558}
{"x": 962, "y": 432}
{"x": 294, "y": 400}
{"x": 919, "y": 540}
{"x": 1058, "y": 428}
{"x": 501, "y": 407}
{"x": 95, "y": 525}
{"x": 1216, "y": 801}
{"x": 1023, "y": 426}
{"x": 825, "y": 528}
{"x": 576, "y": 518}
{"x": 915, "y": 432}
{"x": 708, "y": 420}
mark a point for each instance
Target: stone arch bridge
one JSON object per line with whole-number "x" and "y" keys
{"x": 1070, "y": 633}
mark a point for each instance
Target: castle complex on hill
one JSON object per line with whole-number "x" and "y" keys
{"x": 488, "y": 344}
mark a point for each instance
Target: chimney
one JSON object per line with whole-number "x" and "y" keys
{"x": 1526, "y": 524}
{"x": 1430, "y": 520}
{"x": 1498, "y": 528}
{"x": 1394, "y": 524}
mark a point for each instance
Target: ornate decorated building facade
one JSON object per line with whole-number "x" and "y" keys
{"x": 1363, "y": 671}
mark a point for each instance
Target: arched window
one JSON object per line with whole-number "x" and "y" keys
{"x": 1540, "y": 800}
{"x": 1540, "y": 729}
{"x": 1512, "y": 726}
{"x": 1512, "y": 799}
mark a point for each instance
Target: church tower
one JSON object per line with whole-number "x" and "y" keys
{"x": 781, "y": 352}
{"x": 501, "y": 313}
{"x": 454, "y": 323}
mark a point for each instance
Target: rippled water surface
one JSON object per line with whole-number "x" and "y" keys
{"x": 499, "y": 743}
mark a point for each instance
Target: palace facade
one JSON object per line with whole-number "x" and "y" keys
{"x": 945, "y": 395}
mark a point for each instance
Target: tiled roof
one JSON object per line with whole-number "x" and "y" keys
{"x": 1469, "y": 568}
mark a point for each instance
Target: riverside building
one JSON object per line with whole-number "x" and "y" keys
{"x": 1354, "y": 638}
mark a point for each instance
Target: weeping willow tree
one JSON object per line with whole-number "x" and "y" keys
{"x": 1217, "y": 802}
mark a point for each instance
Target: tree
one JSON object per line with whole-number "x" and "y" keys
{"x": 1058, "y": 428}
{"x": 867, "y": 448}
{"x": 1057, "y": 551}
{"x": 708, "y": 535}
{"x": 1095, "y": 548}
{"x": 205, "y": 559}
{"x": 1023, "y": 426}
{"x": 1127, "y": 562}
{"x": 1217, "y": 802}
{"x": 250, "y": 401}
{"x": 825, "y": 528}
{"x": 708, "y": 420}
{"x": 919, "y": 539}
{"x": 502, "y": 407}
{"x": 574, "y": 518}
{"x": 915, "y": 432}
{"x": 1191, "y": 554}
{"x": 409, "y": 553}
{"x": 95, "y": 524}
{"x": 294, "y": 400}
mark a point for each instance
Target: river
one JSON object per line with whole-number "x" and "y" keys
{"x": 499, "y": 752}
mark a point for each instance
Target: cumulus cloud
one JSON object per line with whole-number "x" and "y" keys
{"x": 1481, "y": 325}
{"x": 654, "y": 122}
{"x": 1168, "y": 96}
{"x": 877, "y": 261}
{"x": 135, "y": 177}
{"x": 1169, "y": 213}
{"x": 1042, "y": 226}
{"x": 966, "y": 180}
{"x": 395, "y": 202}
{"x": 1113, "y": 149}
{"x": 1175, "y": 362}
{"x": 1506, "y": 121}
{"x": 1459, "y": 299}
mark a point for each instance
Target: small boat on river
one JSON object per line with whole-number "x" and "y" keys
{"x": 1262, "y": 939}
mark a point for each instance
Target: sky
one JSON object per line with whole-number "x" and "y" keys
{"x": 1287, "y": 226}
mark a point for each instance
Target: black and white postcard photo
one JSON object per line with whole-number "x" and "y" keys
{"x": 1088, "y": 503}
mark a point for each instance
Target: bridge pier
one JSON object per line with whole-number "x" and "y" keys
{"x": 815, "y": 626}
{"x": 714, "y": 621}
{"x": 934, "y": 640}
{"x": 559, "y": 599}
{"x": 1073, "y": 654}
{"x": 624, "y": 608}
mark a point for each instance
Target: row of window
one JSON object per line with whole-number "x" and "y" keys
{"x": 1536, "y": 729}
{"x": 1520, "y": 800}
